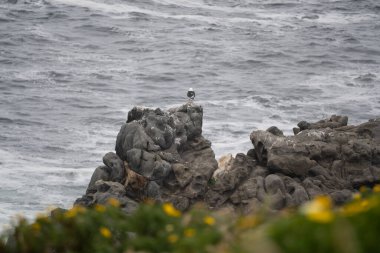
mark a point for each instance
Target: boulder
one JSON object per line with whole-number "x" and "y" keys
{"x": 237, "y": 170}
{"x": 333, "y": 122}
{"x": 116, "y": 167}
{"x": 275, "y": 131}
{"x": 100, "y": 173}
{"x": 327, "y": 157}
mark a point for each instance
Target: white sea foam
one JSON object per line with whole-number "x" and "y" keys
{"x": 202, "y": 5}
{"x": 344, "y": 19}
{"x": 31, "y": 185}
{"x": 127, "y": 9}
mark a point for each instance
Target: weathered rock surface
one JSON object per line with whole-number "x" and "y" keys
{"x": 327, "y": 157}
{"x": 159, "y": 155}
{"x": 162, "y": 155}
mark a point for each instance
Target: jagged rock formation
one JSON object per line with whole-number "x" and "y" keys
{"x": 163, "y": 156}
{"x": 159, "y": 155}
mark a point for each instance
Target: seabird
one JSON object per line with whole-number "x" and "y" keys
{"x": 191, "y": 94}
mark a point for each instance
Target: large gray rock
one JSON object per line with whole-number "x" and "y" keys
{"x": 327, "y": 157}
{"x": 160, "y": 155}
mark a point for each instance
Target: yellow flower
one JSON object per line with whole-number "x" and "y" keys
{"x": 113, "y": 202}
{"x": 376, "y": 188}
{"x": 74, "y": 211}
{"x": 364, "y": 203}
{"x": 170, "y": 210}
{"x": 319, "y": 210}
{"x": 172, "y": 238}
{"x": 209, "y": 220}
{"x": 105, "y": 232}
{"x": 324, "y": 201}
{"x": 100, "y": 208}
{"x": 189, "y": 232}
{"x": 356, "y": 196}
{"x": 36, "y": 227}
{"x": 322, "y": 217}
{"x": 352, "y": 209}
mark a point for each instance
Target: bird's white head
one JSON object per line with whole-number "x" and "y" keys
{"x": 191, "y": 89}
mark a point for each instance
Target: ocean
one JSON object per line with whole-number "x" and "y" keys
{"x": 70, "y": 70}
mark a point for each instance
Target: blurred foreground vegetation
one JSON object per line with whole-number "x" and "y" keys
{"x": 317, "y": 226}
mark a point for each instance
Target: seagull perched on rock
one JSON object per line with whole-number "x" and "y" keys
{"x": 191, "y": 94}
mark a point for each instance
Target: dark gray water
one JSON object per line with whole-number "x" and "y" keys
{"x": 71, "y": 69}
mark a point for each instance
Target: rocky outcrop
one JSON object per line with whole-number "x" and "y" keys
{"x": 327, "y": 157}
{"x": 162, "y": 155}
{"x": 159, "y": 155}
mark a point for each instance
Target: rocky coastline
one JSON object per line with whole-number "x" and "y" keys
{"x": 162, "y": 156}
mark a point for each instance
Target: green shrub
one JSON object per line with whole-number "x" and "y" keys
{"x": 315, "y": 227}
{"x": 103, "y": 229}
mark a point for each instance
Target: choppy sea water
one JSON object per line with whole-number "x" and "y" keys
{"x": 71, "y": 69}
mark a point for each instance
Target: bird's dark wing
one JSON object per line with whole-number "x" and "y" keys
{"x": 191, "y": 94}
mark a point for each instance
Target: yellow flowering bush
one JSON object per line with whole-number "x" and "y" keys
{"x": 209, "y": 220}
{"x": 106, "y": 229}
{"x": 170, "y": 210}
{"x": 320, "y": 227}
{"x": 319, "y": 209}
{"x": 105, "y": 232}
{"x": 163, "y": 228}
{"x": 316, "y": 227}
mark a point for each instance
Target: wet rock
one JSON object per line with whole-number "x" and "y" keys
{"x": 291, "y": 165}
{"x": 295, "y": 192}
{"x": 251, "y": 153}
{"x": 215, "y": 199}
{"x": 275, "y": 131}
{"x": 273, "y": 183}
{"x": 296, "y": 130}
{"x": 312, "y": 189}
{"x": 159, "y": 127}
{"x": 160, "y": 155}
{"x": 182, "y": 173}
{"x": 333, "y": 122}
{"x": 341, "y": 197}
{"x": 85, "y": 200}
{"x": 100, "y": 173}
{"x": 106, "y": 190}
{"x": 275, "y": 190}
{"x": 180, "y": 202}
{"x": 153, "y": 191}
{"x": 252, "y": 188}
{"x": 116, "y": 165}
{"x": 236, "y": 170}
{"x": 132, "y": 135}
